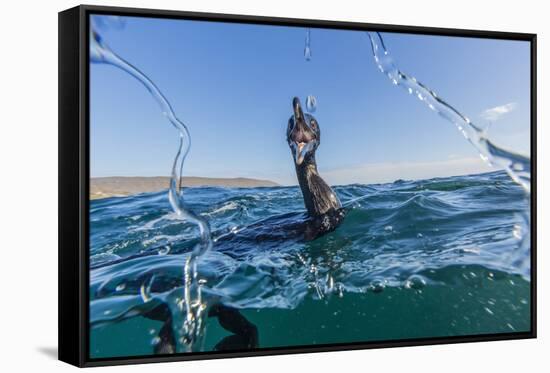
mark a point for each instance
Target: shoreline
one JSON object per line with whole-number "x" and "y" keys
{"x": 122, "y": 186}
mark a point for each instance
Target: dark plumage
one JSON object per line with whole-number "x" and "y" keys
{"x": 304, "y": 136}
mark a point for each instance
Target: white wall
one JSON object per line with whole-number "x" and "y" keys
{"x": 28, "y": 209}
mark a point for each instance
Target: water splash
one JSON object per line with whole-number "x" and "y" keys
{"x": 311, "y": 103}
{"x": 307, "y": 48}
{"x": 192, "y": 304}
{"x": 517, "y": 166}
{"x": 145, "y": 290}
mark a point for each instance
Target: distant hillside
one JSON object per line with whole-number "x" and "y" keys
{"x": 103, "y": 187}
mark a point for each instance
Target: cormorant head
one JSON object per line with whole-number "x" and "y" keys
{"x": 303, "y": 133}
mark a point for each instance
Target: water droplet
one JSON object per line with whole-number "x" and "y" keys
{"x": 388, "y": 228}
{"x": 311, "y": 103}
{"x": 152, "y": 331}
{"x": 307, "y": 49}
{"x": 165, "y": 250}
{"x": 416, "y": 282}
{"x": 155, "y": 341}
{"x": 518, "y": 167}
{"x": 120, "y": 287}
{"x": 307, "y": 53}
{"x": 330, "y": 282}
{"x": 517, "y": 232}
{"x": 419, "y": 235}
{"x": 488, "y": 311}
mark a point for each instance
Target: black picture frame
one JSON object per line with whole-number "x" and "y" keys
{"x": 74, "y": 182}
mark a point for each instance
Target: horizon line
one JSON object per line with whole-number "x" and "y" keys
{"x": 296, "y": 184}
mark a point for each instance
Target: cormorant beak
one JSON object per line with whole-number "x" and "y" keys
{"x": 300, "y": 148}
{"x": 298, "y": 113}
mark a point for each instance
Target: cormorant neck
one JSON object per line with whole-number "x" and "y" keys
{"x": 319, "y": 197}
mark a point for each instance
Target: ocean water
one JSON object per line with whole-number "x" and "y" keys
{"x": 412, "y": 259}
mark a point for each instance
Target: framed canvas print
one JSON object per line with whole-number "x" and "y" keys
{"x": 238, "y": 186}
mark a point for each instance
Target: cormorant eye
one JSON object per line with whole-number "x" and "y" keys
{"x": 313, "y": 124}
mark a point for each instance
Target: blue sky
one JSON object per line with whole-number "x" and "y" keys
{"x": 232, "y": 84}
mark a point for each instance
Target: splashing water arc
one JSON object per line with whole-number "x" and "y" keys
{"x": 192, "y": 302}
{"x": 516, "y": 165}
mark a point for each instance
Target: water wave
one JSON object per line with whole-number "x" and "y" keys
{"x": 426, "y": 233}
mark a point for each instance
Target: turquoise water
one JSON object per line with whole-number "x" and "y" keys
{"x": 412, "y": 259}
